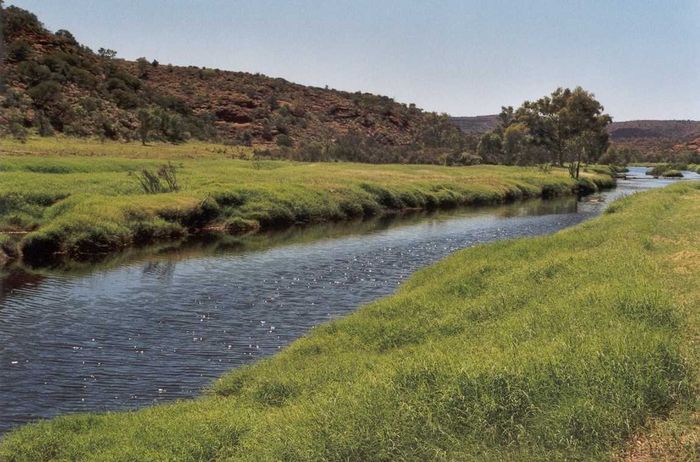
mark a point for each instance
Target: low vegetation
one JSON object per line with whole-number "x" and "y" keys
{"x": 672, "y": 174}
{"x": 77, "y": 206}
{"x": 667, "y": 170}
{"x": 564, "y": 347}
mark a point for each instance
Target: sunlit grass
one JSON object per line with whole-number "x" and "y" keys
{"x": 551, "y": 348}
{"x": 81, "y": 197}
{"x": 61, "y": 146}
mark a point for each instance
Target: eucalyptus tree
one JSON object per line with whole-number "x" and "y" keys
{"x": 565, "y": 126}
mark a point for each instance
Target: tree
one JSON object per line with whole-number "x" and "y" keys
{"x": 581, "y": 148}
{"x": 145, "y": 125}
{"x": 505, "y": 118}
{"x": 18, "y": 51}
{"x": 45, "y": 93}
{"x": 489, "y": 147}
{"x": 106, "y": 54}
{"x": 515, "y": 139}
{"x": 67, "y": 36}
{"x": 143, "y": 67}
{"x": 553, "y": 121}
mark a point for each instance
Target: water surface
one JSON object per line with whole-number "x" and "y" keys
{"x": 163, "y": 324}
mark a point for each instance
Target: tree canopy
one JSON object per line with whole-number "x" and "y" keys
{"x": 566, "y": 126}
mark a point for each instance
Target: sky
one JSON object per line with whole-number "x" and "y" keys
{"x": 641, "y": 58}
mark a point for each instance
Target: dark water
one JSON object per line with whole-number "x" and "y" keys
{"x": 163, "y": 324}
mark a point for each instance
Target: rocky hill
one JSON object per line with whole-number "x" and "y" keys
{"x": 658, "y": 136}
{"x": 55, "y": 84}
{"x": 673, "y": 130}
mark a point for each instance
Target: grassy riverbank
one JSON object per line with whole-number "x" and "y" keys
{"x": 78, "y": 198}
{"x": 564, "y": 347}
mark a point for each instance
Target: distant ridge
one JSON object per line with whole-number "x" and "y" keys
{"x": 673, "y": 130}
{"x": 676, "y": 135}
{"x": 475, "y": 124}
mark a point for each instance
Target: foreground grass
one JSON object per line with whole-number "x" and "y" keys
{"x": 561, "y": 347}
{"x": 74, "y": 202}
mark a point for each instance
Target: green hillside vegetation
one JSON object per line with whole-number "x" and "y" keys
{"x": 55, "y": 85}
{"x": 73, "y": 204}
{"x": 560, "y": 347}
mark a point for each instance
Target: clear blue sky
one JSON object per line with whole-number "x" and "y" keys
{"x": 641, "y": 58}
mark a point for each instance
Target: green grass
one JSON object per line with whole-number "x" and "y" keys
{"x": 668, "y": 170}
{"x": 561, "y": 347}
{"x": 672, "y": 174}
{"x": 74, "y": 201}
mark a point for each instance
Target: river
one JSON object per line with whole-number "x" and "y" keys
{"x": 164, "y": 324}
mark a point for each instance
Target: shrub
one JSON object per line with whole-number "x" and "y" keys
{"x": 18, "y": 131}
{"x": 468, "y": 158}
{"x": 43, "y": 125}
{"x": 16, "y": 20}
{"x": 672, "y": 174}
{"x": 67, "y": 36}
{"x": 284, "y": 140}
{"x": 45, "y": 92}
{"x": 658, "y": 170}
{"x": 160, "y": 181}
{"x": 33, "y": 73}
{"x": 545, "y": 168}
{"x": 17, "y": 51}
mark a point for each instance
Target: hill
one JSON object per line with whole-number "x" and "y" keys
{"x": 658, "y": 138}
{"x": 476, "y": 124}
{"x": 672, "y": 130}
{"x": 55, "y": 84}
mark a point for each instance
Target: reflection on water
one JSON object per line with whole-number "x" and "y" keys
{"x": 157, "y": 324}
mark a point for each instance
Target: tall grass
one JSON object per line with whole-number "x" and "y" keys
{"x": 75, "y": 205}
{"x": 552, "y": 348}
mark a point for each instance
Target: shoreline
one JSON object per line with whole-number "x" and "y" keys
{"x": 421, "y": 353}
{"x": 83, "y": 226}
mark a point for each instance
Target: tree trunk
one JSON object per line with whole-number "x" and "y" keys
{"x": 578, "y": 162}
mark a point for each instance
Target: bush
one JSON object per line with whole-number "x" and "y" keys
{"x": 672, "y": 174}
{"x": 16, "y": 20}
{"x": 33, "y": 73}
{"x": 67, "y": 36}
{"x": 545, "y": 168}
{"x": 160, "y": 181}
{"x": 45, "y": 92}
{"x": 17, "y": 51}
{"x": 43, "y": 125}
{"x": 658, "y": 170}
{"x": 18, "y": 131}
{"x": 284, "y": 141}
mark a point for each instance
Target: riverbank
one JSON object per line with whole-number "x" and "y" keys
{"x": 70, "y": 201}
{"x": 559, "y": 347}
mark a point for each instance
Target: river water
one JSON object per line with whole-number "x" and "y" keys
{"x": 163, "y": 324}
